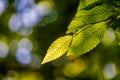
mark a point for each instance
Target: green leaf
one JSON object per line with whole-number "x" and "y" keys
{"x": 58, "y": 48}
{"x": 94, "y": 15}
{"x": 75, "y": 25}
{"x": 86, "y": 39}
{"x": 84, "y": 4}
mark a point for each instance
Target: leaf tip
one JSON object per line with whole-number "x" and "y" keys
{"x": 69, "y": 54}
{"x": 68, "y": 32}
{"x": 44, "y": 61}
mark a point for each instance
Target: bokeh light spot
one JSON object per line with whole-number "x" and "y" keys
{"x": 77, "y": 67}
{"x": 109, "y": 71}
{"x": 8, "y": 78}
{"x": 21, "y": 5}
{"x": 45, "y": 7}
{"x": 108, "y": 37}
{"x": 23, "y": 56}
{"x": 3, "y": 49}
{"x": 25, "y": 43}
{"x": 30, "y": 17}
{"x": 15, "y": 23}
{"x": 3, "y": 5}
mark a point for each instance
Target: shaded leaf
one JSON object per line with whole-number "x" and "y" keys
{"x": 87, "y": 39}
{"x": 58, "y": 48}
{"x": 85, "y": 4}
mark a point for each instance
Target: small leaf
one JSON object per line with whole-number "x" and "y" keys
{"x": 74, "y": 25}
{"x": 58, "y": 48}
{"x": 86, "y": 39}
{"x": 86, "y": 17}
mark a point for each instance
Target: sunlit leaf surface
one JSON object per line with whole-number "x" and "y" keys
{"x": 58, "y": 48}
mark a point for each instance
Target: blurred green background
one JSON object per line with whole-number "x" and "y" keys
{"x": 28, "y": 27}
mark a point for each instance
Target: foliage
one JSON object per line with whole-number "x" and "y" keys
{"x": 78, "y": 39}
{"x": 87, "y": 28}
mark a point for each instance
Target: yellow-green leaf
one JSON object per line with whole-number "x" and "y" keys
{"x": 86, "y": 39}
{"x": 57, "y": 48}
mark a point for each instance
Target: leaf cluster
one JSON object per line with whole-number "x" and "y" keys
{"x": 87, "y": 28}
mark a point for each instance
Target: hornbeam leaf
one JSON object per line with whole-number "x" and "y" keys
{"x": 57, "y": 48}
{"x": 86, "y": 39}
{"x": 88, "y": 3}
{"x": 102, "y": 11}
{"x": 74, "y": 25}
{"x": 86, "y": 17}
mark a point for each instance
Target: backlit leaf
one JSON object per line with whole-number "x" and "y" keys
{"x": 58, "y": 48}
{"x": 86, "y": 39}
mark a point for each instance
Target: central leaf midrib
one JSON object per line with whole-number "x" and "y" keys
{"x": 61, "y": 45}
